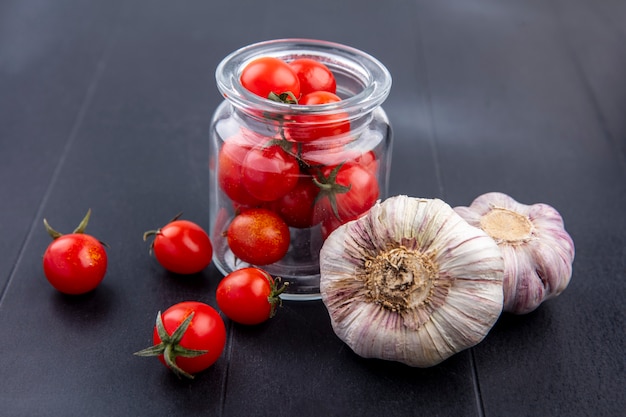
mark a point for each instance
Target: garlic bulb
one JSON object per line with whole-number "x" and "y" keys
{"x": 538, "y": 253}
{"x": 411, "y": 281}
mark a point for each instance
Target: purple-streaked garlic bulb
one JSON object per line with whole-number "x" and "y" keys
{"x": 538, "y": 253}
{"x": 411, "y": 281}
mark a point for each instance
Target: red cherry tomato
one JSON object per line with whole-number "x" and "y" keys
{"x": 296, "y": 207}
{"x": 269, "y": 172}
{"x": 346, "y": 208}
{"x": 368, "y": 160}
{"x": 248, "y": 296}
{"x": 188, "y": 338}
{"x": 230, "y": 167}
{"x": 181, "y": 246}
{"x": 329, "y": 224}
{"x": 258, "y": 236}
{"x": 311, "y": 127}
{"x": 348, "y": 191}
{"x": 74, "y": 263}
{"x": 316, "y": 98}
{"x": 267, "y": 75}
{"x": 313, "y": 76}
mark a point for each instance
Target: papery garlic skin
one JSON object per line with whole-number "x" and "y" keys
{"x": 537, "y": 250}
{"x": 411, "y": 281}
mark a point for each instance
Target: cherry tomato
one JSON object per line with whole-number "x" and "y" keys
{"x": 188, "y": 338}
{"x": 296, "y": 207}
{"x": 347, "y": 191}
{"x": 258, "y": 236}
{"x": 368, "y": 160}
{"x": 248, "y": 296}
{"x": 269, "y": 172}
{"x": 266, "y": 75}
{"x": 329, "y": 224}
{"x": 311, "y": 127}
{"x": 74, "y": 263}
{"x": 313, "y": 76}
{"x": 230, "y": 167}
{"x": 181, "y": 246}
{"x": 315, "y": 98}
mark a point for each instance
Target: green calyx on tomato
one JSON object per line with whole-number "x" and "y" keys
{"x": 189, "y": 336}
{"x": 79, "y": 229}
{"x": 286, "y": 97}
{"x": 156, "y": 232}
{"x": 275, "y": 290}
{"x": 329, "y": 188}
{"x": 170, "y": 346}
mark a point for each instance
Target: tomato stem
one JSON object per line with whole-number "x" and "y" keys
{"x": 170, "y": 346}
{"x": 287, "y": 97}
{"x": 79, "y": 229}
{"x": 83, "y": 223}
{"x": 149, "y": 233}
{"x": 53, "y": 233}
{"x": 329, "y": 188}
{"x": 275, "y": 292}
{"x": 176, "y": 217}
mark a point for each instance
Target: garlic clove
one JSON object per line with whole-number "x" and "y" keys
{"x": 538, "y": 253}
{"x": 411, "y": 281}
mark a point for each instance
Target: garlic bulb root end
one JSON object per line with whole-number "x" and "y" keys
{"x": 538, "y": 252}
{"x": 411, "y": 281}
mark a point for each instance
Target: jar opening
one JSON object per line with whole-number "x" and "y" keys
{"x": 363, "y": 82}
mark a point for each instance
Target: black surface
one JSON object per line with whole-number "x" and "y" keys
{"x": 107, "y": 105}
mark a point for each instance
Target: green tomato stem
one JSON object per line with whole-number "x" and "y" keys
{"x": 83, "y": 223}
{"x": 275, "y": 292}
{"x": 53, "y": 233}
{"x": 170, "y": 346}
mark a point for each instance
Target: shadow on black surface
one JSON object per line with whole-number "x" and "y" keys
{"x": 91, "y": 309}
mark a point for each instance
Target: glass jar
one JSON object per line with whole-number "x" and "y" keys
{"x": 341, "y": 152}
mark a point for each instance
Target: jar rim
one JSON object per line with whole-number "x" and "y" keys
{"x": 370, "y": 72}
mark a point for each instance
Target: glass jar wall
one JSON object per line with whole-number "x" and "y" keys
{"x": 283, "y": 176}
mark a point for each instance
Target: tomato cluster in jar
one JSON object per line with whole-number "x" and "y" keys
{"x": 301, "y": 172}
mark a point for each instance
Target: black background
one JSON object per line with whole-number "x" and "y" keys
{"x": 107, "y": 104}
